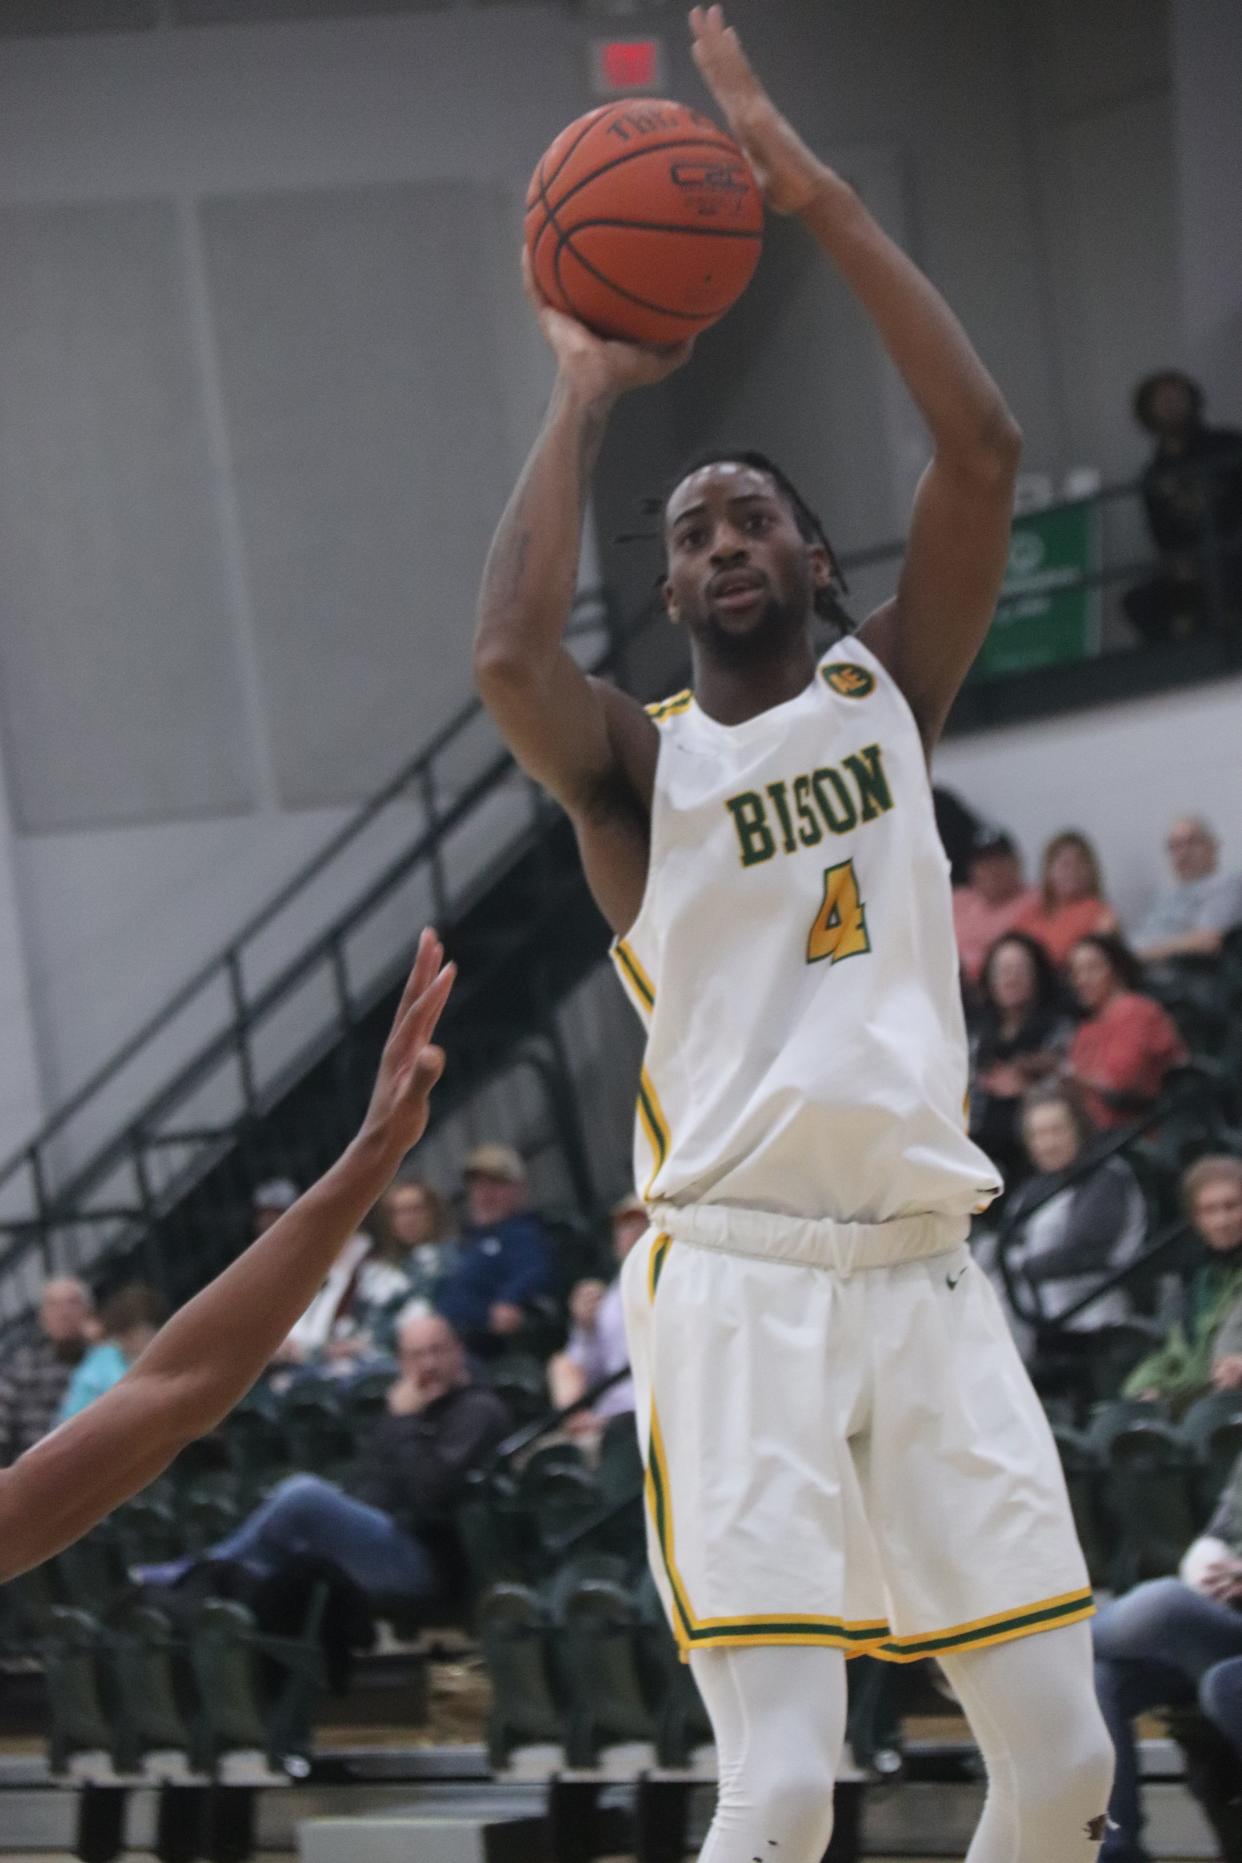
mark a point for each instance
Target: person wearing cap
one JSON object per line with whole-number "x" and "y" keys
{"x": 597, "y": 1345}
{"x": 270, "y": 1201}
{"x": 993, "y": 900}
{"x": 508, "y": 1264}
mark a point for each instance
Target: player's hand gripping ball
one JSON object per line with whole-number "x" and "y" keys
{"x": 644, "y": 221}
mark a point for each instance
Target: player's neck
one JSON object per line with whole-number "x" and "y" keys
{"x": 732, "y": 692}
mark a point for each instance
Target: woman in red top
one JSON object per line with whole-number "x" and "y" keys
{"x": 1127, "y": 1043}
{"x": 1071, "y": 903}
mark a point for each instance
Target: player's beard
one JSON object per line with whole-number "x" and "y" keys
{"x": 777, "y": 623}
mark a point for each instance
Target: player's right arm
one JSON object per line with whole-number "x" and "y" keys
{"x": 591, "y": 746}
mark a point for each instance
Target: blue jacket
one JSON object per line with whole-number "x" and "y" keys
{"x": 513, "y": 1261}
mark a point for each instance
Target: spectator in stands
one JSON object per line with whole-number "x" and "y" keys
{"x": 1020, "y": 1037}
{"x": 129, "y": 1320}
{"x": 597, "y": 1345}
{"x": 1204, "y": 1343}
{"x": 390, "y": 1278}
{"x": 958, "y": 826}
{"x": 1071, "y": 903}
{"x": 507, "y": 1273}
{"x": 1192, "y": 491}
{"x": 414, "y": 1220}
{"x": 270, "y": 1201}
{"x": 1187, "y": 922}
{"x": 35, "y": 1375}
{"x": 1084, "y": 1230}
{"x": 1125, "y": 1044}
{"x": 1177, "y": 1642}
{"x": 392, "y": 1535}
{"x": 992, "y": 901}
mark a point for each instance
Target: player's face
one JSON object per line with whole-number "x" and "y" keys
{"x": 739, "y": 569}
{"x": 1218, "y": 1214}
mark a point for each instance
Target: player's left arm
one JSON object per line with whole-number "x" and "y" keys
{"x": 213, "y": 1349}
{"x": 930, "y": 632}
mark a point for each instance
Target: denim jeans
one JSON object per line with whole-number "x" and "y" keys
{"x": 307, "y": 1516}
{"x": 1162, "y": 1645}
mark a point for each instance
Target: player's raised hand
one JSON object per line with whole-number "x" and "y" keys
{"x": 592, "y": 362}
{"x": 411, "y": 1065}
{"x": 785, "y": 168}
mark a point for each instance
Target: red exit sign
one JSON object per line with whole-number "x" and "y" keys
{"x": 620, "y": 67}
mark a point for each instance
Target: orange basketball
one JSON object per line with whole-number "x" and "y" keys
{"x": 644, "y": 221}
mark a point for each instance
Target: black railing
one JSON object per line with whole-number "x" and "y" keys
{"x": 1193, "y": 1091}
{"x": 112, "y": 1185}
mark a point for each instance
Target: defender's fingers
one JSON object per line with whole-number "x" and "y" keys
{"x": 423, "y": 1014}
{"x": 426, "y": 964}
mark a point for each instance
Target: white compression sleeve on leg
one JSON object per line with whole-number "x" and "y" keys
{"x": 1031, "y": 1705}
{"x": 778, "y": 1714}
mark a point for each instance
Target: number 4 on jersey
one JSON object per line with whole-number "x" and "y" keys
{"x": 840, "y": 928}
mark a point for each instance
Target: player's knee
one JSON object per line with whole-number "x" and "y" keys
{"x": 793, "y": 1806}
{"x": 1068, "y": 1792}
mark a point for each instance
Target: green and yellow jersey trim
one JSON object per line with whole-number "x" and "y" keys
{"x": 634, "y": 979}
{"x": 655, "y": 1127}
{"x": 655, "y": 1263}
{"x": 693, "y": 1632}
{"x": 671, "y": 707}
{"x": 873, "y": 1638}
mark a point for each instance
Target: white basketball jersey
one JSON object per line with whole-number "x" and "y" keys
{"x": 795, "y": 964}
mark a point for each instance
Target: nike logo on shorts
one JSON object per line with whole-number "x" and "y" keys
{"x": 951, "y": 1280}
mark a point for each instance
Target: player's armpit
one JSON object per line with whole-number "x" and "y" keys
{"x": 929, "y": 634}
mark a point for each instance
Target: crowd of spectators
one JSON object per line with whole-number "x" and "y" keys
{"x": 1073, "y": 1023}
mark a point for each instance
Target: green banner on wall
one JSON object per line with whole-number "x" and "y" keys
{"x": 1046, "y": 617}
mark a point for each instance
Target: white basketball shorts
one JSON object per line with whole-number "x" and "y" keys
{"x": 841, "y": 1441}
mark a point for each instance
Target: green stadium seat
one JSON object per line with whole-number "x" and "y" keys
{"x": 522, "y": 1382}
{"x": 1213, "y": 1428}
{"x": 365, "y": 1402}
{"x": 597, "y": 1654}
{"x": 1149, "y": 1496}
{"x": 315, "y": 1427}
{"x": 1083, "y": 1466}
{"x": 150, "y": 1734}
{"x": 514, "y": 1633}
{"x": 682, "y": 1725}
{"x": 149, "y": 1529}
{"x": 79, "y": 1734}
{"x": 620, "y": 1470}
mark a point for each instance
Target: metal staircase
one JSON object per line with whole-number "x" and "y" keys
{"x": 275, "y": 1042}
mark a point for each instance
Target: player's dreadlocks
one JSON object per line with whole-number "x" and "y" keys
{"x": 827, "y": 602}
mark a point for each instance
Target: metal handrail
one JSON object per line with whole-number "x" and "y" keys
{"x": 1189, "y": 1089}
{"x": 226, "y": 964}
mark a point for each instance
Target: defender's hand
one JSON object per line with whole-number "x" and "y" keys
{"x": 789, "y": 174}
{"x": 601, "y": 369}
{"x": 410, "y": 1066}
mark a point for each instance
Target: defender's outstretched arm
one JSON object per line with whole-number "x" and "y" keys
{"x": 959, "y": 533}
{"x": 213, "y": 1349}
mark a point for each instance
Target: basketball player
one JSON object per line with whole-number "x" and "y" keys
{"x": 210, "y": 1353}
{"x": 844, "y": 1453}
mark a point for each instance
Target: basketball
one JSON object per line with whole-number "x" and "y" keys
{"x": 644, "y": 221}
